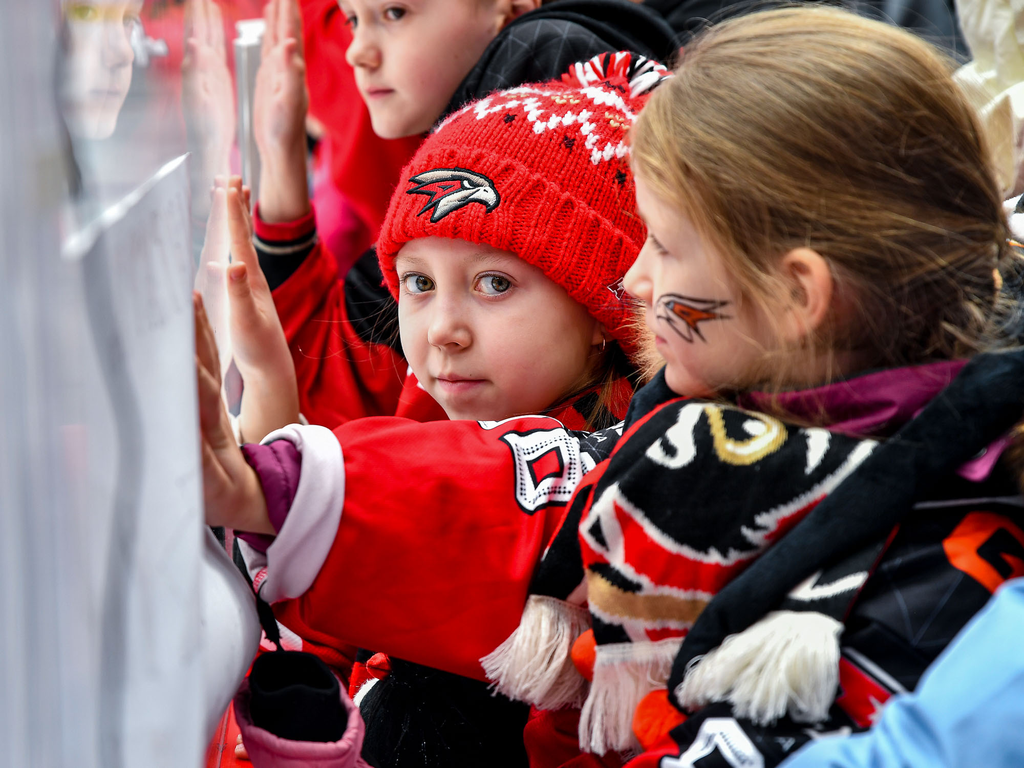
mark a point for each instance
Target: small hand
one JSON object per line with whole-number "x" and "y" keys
{"x": 271, "y": 396}
{"x": 208, "y": 94}
{"x": 280, "y": 104}
{"x": 232, "y": 494}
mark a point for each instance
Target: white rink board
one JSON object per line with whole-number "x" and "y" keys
{"x": 141, "y": 468}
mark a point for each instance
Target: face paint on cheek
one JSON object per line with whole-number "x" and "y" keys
{"x": 683, "y": 314}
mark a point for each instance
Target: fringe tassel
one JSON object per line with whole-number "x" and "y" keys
{"x": 535, "y": 663}
{"x": 789, "y": 660}
{"x": 623, "y": 674}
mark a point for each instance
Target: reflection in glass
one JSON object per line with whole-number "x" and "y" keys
{"x": 98, "y": 63}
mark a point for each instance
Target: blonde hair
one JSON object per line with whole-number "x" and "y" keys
{"x": 811, "y": 126}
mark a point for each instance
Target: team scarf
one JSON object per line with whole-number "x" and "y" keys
{"x": 692, "y": 495}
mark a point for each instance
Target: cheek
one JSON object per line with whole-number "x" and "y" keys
{"x": 413, "y": 335}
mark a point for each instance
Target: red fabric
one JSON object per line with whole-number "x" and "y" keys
{"x": 414, "y": 494}
{"x": 554, "y": 187}
{"x": 584, "y": 654}
{"x": 282, "y": 230}
{"x": 365, "y": 167}
{"x": 552, "y": 741}
{"x": 220, "y": 753}
{"x": 655, "y": 716}
{"x": 344, "y": 233}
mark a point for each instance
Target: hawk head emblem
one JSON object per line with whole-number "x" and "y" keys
{"x": 452, "y": 188}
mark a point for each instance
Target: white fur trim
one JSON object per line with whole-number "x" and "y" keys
{"x": 535, "y": 663}
{"x": 623, "y": 674}
{"x": 788, "y": 661}
{"x": 304, "y": 541}
{"x": 363, "y": 690}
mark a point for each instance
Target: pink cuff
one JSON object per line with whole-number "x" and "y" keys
{"x": 269, "y": 751}
{"x": 279, "y": 466}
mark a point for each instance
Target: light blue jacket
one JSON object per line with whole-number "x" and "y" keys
{"x": 968, "y": 709}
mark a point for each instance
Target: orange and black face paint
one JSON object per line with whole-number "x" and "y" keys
{"x": 683, "y": 314}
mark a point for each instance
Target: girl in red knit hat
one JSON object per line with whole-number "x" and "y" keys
{"x": 505, "y": 246}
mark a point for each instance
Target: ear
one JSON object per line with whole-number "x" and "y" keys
{"x": 809, "y": 280}
{"x": 601, "y": 335}
{"x": 513, "y": 9}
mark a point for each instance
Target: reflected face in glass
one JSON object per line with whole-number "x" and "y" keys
{"x": 98, "y": 63}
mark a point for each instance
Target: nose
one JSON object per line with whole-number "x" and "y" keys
{"x": 449, "y": 327}
{"x": 117, "y": 45}
{"x": 637, "y": 280}
{"x": 363, "y": 52}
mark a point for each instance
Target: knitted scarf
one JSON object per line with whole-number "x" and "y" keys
{"x": 692, "y": 494}
{"x": 725, "y": 653}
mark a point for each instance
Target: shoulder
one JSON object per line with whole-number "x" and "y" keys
{"x": 542, "y": 44}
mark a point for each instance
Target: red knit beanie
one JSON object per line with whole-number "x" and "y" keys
{"x": 541, "y": 171}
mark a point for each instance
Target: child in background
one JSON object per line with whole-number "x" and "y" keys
{"x": 506, "y": 245}
{"x": 826, "y": 264}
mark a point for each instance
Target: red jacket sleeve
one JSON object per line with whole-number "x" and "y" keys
{"x": 440, "y": 530}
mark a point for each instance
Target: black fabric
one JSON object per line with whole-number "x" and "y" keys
{"x": 280, "y": 266}
{"x": 981, "y": 404}
{"x": 913, "y": 605}
{"x": 418, "y": 717}
{"x": 295, "y": 695}
{"x": 649, "y": 397}
{"x": 691, "y": 17}
{"x": 884, "y": 625}
{"x": 542, "y": 44}
{"x": 371, "y": 310}
{"x": 559, "y": 576}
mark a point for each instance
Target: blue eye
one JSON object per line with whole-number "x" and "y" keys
{"x": 417, "y": 283}
{"x": 494, "y": 285}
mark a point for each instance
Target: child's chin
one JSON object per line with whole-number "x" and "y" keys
{"x": 684, "y": 383}
{"x": 387, "y": 126}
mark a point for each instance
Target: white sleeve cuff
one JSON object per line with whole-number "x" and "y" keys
{"x": 305, "y": 540}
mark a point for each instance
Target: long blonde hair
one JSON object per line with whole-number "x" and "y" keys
{"x": 810, "y": 126}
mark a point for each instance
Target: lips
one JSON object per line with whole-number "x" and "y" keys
{"x": 376, "y": 93}
{"x": 455, "y": 385}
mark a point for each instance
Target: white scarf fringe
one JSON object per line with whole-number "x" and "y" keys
{"x": 787, "y": 661}
{"x": 623, "y": 674}
{"x": 535, "y": 663}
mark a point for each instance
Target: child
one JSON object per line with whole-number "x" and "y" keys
{"x": 822, "y": 259}
{"x": 533, "y": 45}
{"x": 831, "y": 257}
{"x": 506, "y": 246}
{"x": 342, "y": 334}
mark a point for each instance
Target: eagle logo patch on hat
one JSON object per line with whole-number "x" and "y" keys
{"x": 452, "y": 188}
